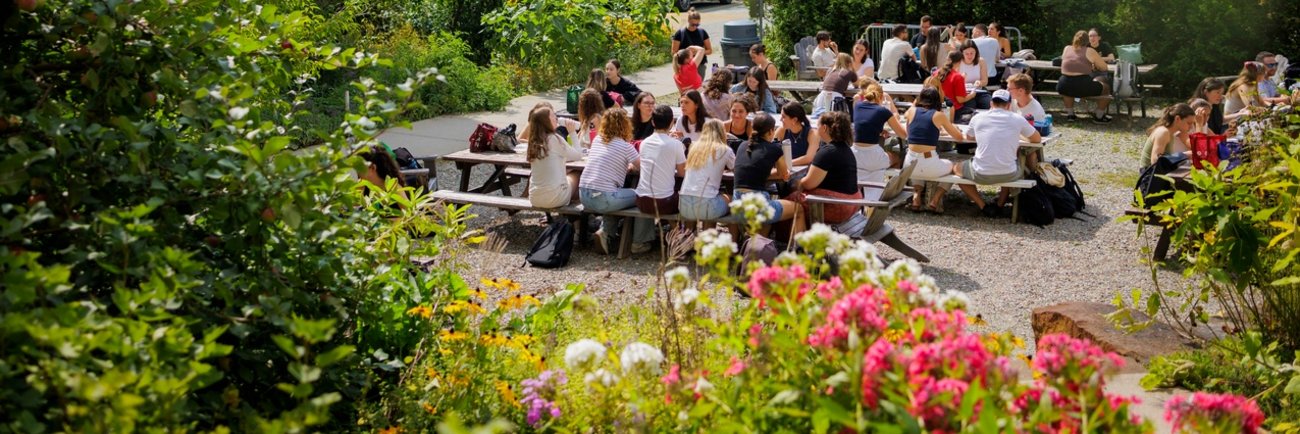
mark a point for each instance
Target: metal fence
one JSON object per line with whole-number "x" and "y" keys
{"x": 877, "y": 34}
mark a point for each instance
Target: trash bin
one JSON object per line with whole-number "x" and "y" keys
{"x": 737, "y": 37}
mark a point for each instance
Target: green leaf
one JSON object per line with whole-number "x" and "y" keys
{"x": 334, "y": 355}
{"x": 1293, "y": 386}
{"x": 286, "y": 344}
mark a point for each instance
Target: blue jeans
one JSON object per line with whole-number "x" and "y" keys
{"x": 702, "y": 208}
{"x": 617, "y": 200}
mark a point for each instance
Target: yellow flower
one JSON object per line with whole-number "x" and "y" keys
{"x": 500, "y": 283}
{"x": 475, "y": 308}
{"x": 481, "y": 294}
{"x": 433, "y": 374}
{"x": 521, "y": 341}
{"x": 452, "y": 335}
{"x": 507, "y": 394}
{"x": 894, "y": 335}
{"x": 391, "y": 430}
{"x": 420, "y": 311}
{"x": 429, "y": 408}
{"x": 535, "y": 359}
{"x": 517, "y": 302}
{"x": 454, "y": 307}
{"x": 494, "y": 339}
{"x": 976, "y": 320}
{"x": 461, "y": 305}
{"x": 1017, "y": 342}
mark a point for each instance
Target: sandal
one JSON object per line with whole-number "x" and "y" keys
{"x": 937, "y": 209}
{"x": 915, "y": 207}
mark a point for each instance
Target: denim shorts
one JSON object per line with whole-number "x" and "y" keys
{"x": 702, "y": 208}
{"x": 775, "y": 204}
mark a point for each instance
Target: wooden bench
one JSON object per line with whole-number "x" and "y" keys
{"x": 517, "y": 204}
{"x": 1145, "y": 216}
{"x": 872, "y": 223}
{"x": 1016, "y": 186}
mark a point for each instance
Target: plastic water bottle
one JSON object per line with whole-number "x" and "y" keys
{"x": 1047, "y": 123}
{"x": 1048, "y": 120}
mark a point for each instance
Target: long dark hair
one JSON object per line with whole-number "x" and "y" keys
{"x": 930, "y": 50}
{"x": 385, "y": 165}
{"x": 866, "y": 54}
{"x": 1171, "y": 113}
{"x": 719, "y": 84}
{"x": 954, "y": 59}
{"x": 636, "y": 111}
{"x": 796, "y": 111}
{"x": 929, "y": 98}
{"x": 763, "y": 91}
{"x": 1209, "y": 84}
{"x": 764, "y": 125}
{"x": 700, "y": 113}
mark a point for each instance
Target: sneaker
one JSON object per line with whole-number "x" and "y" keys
{"x": 640, "y": 247}
{"x": 990, "y": 210}
{"x": 1104, "y": 119}
{"x": 1072, "y": 117}
{"x": 601, "y": 242}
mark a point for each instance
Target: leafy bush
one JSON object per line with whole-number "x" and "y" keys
{"x": 561, "y": 40}
{"x": 1241, "y": 365}
{"x": 168, "y": 263}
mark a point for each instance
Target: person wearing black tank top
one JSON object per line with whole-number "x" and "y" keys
{"x": 738, "y": 124}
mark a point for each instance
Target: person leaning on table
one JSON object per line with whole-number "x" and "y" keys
{"x": 663, "y": 158}
{"x": 892, "y": 51}
{"x": 997, "y": 135}
{"x": 601, "y": 190}
{"x": 1078, "y": 62}
{"x": 834, "y": 170}
{"x": 924, "y": 120}
{"x": 709, "y": 158}
{"x": 759, "y": 161}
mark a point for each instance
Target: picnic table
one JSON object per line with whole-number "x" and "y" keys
{"x": 802, "y": 88}
{"x": 1139, "y": 86}
{"x": 1046, "y": 65}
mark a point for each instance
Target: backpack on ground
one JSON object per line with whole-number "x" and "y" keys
{"x": 1125, "y": 75}
{"x": 1035, "y": 207}
{"x": 553, "y": 248}
{"x": 1071, "y": 186}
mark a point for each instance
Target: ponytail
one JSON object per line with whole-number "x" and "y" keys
{"x": 1172, "y": 113}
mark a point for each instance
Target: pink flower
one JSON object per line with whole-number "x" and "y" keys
{"x": 768, "y": 282}
{"x": 829, "y": 289}
{"x": 755, "y": 332}
{"x": 1208, "y": 412}
{"x": 737, "y": 366}
{"x": 878, "y": 360}
{"x": 860, "y": 310}
{"x": 673, "y": 376}
{"x": 1073, "y": 363}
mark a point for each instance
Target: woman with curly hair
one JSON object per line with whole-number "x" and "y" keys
{"x": 717, "y": 98}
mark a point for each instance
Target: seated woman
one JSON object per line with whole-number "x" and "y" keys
{"x": 641, "y": 111}
{"x": 693, "y": 116}
{"x": 924, "y": 120}
{"x": 700, "y": 198}
{"x": 717, "y": 94}
{"x": 1212, "y": 90}
{"x": 758, "y": 54}
{"x": 590, "y": 110}
{"x": 796, "y": 128}
{"x": 953, "y": 87}
{"x": 565, "y": 127}
{"x": 601, "y": 186}
{"x": 616, "y": 82}
{"x": 1168, "y": 135}
{"x": 380, "y": 167}
{"x": 1244, "y": 91}
{"x": 596, "y": 81}
{"x": 738, "y": 125}
{"x": 1202, "y": 108}
{"x": 756, "y": 87}
{"x": 934, "y": 53}
{"x": 548, "y": 186}
{"x": 972, "y": 66}
{"x": 870, "y": 115}
{"x": 996, "y": 31}
{"x": 862, "y": 63}
{"x": 1078, "y": 62}
{"x": 758, "y": 162}
{"x": 834, "y": 170}
{"x": 686, "y": 68}
{"x": 836, "y": 82}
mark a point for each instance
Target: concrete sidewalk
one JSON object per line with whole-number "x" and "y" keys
{"x": 446, "y": 134}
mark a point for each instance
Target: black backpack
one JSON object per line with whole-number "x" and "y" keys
{"x": 553, "y": 248}
{"x": 1151, "y": 187}
{"x": 1036, "y": 204}
{"x": 1071, "y": 186}
{"x": 910, "y": 71}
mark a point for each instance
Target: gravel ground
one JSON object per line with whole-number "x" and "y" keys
{"x": 1006, "y": 269}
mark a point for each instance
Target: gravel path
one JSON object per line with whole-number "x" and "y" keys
{"x": 1006, "y": 269}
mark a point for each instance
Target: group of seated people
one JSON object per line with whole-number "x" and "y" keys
{"x": 657, "y": 148}
{"x": 1216, "y": 108}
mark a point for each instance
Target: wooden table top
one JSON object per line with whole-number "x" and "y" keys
{"x": 893, "y": 89}
{"x": 1046, "y": 65}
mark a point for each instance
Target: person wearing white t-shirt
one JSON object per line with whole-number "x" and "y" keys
{"x": 1022, "y": 101}
{"x": 550, "y": 185}
{"x": 997, "y": 135}
{"x": 892, "y": 51}
{"x": 824, "y": 55}
{"x": 989, "y": 48}
{"x": 709, "y": 157}
{"x": 663, "y": 158}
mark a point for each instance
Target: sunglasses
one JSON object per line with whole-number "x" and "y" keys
{"x": 693, "y": 24}
{"x": 1271, "y": 65}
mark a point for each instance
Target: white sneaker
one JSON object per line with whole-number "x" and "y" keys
{"x": 640, "y": 247}
{"x": 601, "y": 243}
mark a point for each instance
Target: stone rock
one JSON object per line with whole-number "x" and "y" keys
{"x": 1088, "y": 321}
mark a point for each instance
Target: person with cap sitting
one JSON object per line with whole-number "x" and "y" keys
{"x": 997, "y": 135}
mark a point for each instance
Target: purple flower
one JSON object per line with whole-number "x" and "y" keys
{"x": 540, "y": 393}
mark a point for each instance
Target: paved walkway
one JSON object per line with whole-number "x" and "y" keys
{"x": 446, "y": 134}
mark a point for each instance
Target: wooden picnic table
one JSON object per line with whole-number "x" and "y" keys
{"x": 802, "y": 88}
{"x": 1046, "y": 65}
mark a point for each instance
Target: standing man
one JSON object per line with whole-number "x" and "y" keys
{"x": 1268, "y": 87}
{"x": 997, "y": 134}
{"x": 919, "y": 39}
{"x": 693, "y": 36}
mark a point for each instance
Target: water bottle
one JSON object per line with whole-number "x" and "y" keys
{"x": 714, "y": 69}
{"x": 1047, "y": 125}
{"x": 1048, "y": 120}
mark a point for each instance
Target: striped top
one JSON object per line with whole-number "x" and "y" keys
{"x": 607, "y": 165}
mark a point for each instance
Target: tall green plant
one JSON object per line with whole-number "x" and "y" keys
{"x": 168, "y": 262}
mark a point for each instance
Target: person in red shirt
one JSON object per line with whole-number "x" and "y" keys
{"x": 953, "y": 86}
{"x": 685, "y": 69}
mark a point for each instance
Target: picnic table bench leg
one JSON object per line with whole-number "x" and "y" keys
{"x": 464, "y": 169}
{"x": 625, "y": 240}
{"x": 1015, "y": 207}
{"x": 1162, "y": 245}
{"x": 898, "y": 244}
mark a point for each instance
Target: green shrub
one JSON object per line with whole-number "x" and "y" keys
{"x": 1240, "y": 365}
{"x": 169, "y": 263}
{"x": 468, "y": 87}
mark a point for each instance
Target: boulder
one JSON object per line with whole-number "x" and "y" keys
{"x": 1088, "y": 321}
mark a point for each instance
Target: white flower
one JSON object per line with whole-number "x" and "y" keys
{"x": 600, "y": 376}
{"x": 583, "y": 353}
{"x": 366, "y": 123}
{"x": 703, "y": 386}
{"x": 637, "y": 355}
{"x": 237, "y": 113}
{"x": 823, "y": 238}
{"x": 952, "y": 300}
{"x": 753, "y": 207}
{"x": 712, "y": 246}
{"x": 687, "y": 297}
{"x": 786, "y": 258}
{"x": 677, "y": 277}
